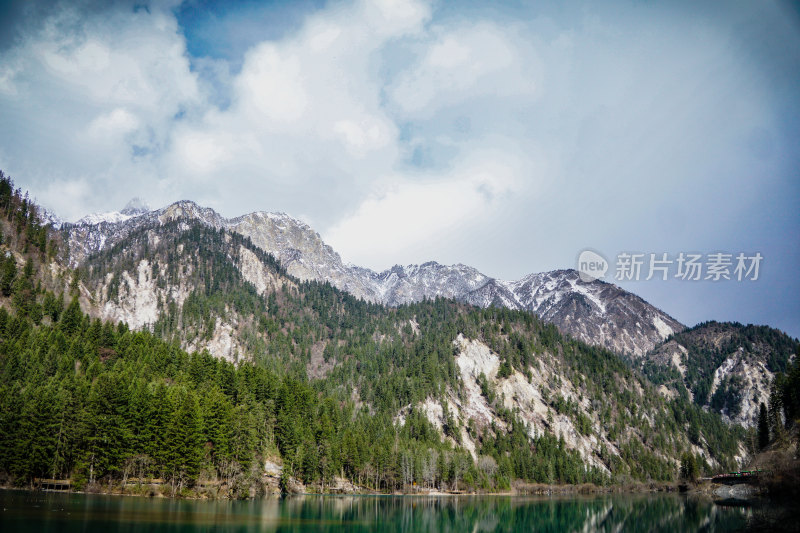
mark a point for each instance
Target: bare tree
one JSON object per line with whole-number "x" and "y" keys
{"x": 487, "y": 465}
{"x": 407, "y": 466}
{"x": 429, "y": 462}
{"x": 458, "y": 467}
{"x": 136, "y": 465}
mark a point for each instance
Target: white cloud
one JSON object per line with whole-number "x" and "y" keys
{"x": 64, "y": 192}
{"x": 307, "y": 129}
{"x": 392, "y": 18}
{"x": 272, "y": 85}
{"x": 304, "y": 109}
{"x": 123, "y": 58}
{"x": 403, "y": 216}
{"x": 113, "y": 125}
{"x": 464, "y": 62}
{"x": 360, "y": 138}
{"x": 201, "y": 152}
{"x": 94, "y": 98}
{"x": 9, "y": 70}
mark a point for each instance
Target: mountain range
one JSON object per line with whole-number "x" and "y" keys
{"x": 536, "y": 376}
{"x": 595, "y": 312}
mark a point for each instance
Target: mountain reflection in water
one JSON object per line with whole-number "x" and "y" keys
{"x": 45, "y": 512}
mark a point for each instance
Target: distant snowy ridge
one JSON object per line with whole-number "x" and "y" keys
{"x": 134, "y": 208}
{"x": 112, "y": 217}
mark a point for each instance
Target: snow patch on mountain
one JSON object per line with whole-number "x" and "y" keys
{"x": 134, "y": 208}
{"x": 50, "y": 219}
{"x": 583, "y": 288}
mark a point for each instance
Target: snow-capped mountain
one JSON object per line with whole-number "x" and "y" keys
{"x": 597, "y": 312}
{"x": 112, "y": 217}
{"x": 50, "y": 219}
{"x": 135, "y": 207}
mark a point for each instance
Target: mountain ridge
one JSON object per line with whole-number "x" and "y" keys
{"x": 596, "y": 312}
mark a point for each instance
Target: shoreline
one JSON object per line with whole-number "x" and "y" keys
{"x": 161, "y": 491}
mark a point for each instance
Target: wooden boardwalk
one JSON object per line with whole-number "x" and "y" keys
{"x": 52, "y": 484}
{"x": 735, "y": 478}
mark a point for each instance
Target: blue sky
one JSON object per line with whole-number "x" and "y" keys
{"x": 507, "y": 135}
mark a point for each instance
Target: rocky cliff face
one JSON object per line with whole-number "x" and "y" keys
{"x": 598, "y": 313}
{"x": 527, "y": 396}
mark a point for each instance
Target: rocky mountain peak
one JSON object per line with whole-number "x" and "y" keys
{"x": 190, "y": 210}
{"x": 49, "y": 218}
{"x": 136, "y": 206}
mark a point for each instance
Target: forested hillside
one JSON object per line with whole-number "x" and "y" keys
{"x": 725, "y": 366}
{"x": 434, "y": 394}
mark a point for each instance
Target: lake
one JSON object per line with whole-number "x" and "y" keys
{"x": 46, "y": 512}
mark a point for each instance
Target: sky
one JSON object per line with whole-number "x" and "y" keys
{"x": 509, "y": 136}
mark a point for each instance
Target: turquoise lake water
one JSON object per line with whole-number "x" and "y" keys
{"x": 60, "y": 512}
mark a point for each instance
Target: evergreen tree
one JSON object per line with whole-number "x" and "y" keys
{"x": 109, "y": 432}
{"x": 763, "y": 426}
{"x": 72, "y": 318}
{"x": 184, "y": 441}
{"x": 8, "y": 274}
{"x": 689, "y": 469}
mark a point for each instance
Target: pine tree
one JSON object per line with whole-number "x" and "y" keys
{"x": 763, "y": 426}
{"x": 109, "y": 430}
{"x": 72, "y": 318}
{"x": 184, "y": 444}
{"x": 689, "y": 468}
{"x": 217, "y": 424}
{"x": 158, "y": 424}
{"x": 9, "y": 272}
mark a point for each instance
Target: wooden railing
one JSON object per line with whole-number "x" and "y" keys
{"x": 52, "y": 484}
{"x": 732, "y": 478}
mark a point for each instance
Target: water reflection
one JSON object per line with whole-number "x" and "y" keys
{"x": 23, "y": 511}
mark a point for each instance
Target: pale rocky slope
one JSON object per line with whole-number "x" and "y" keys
{"x": 531, "y": 398}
